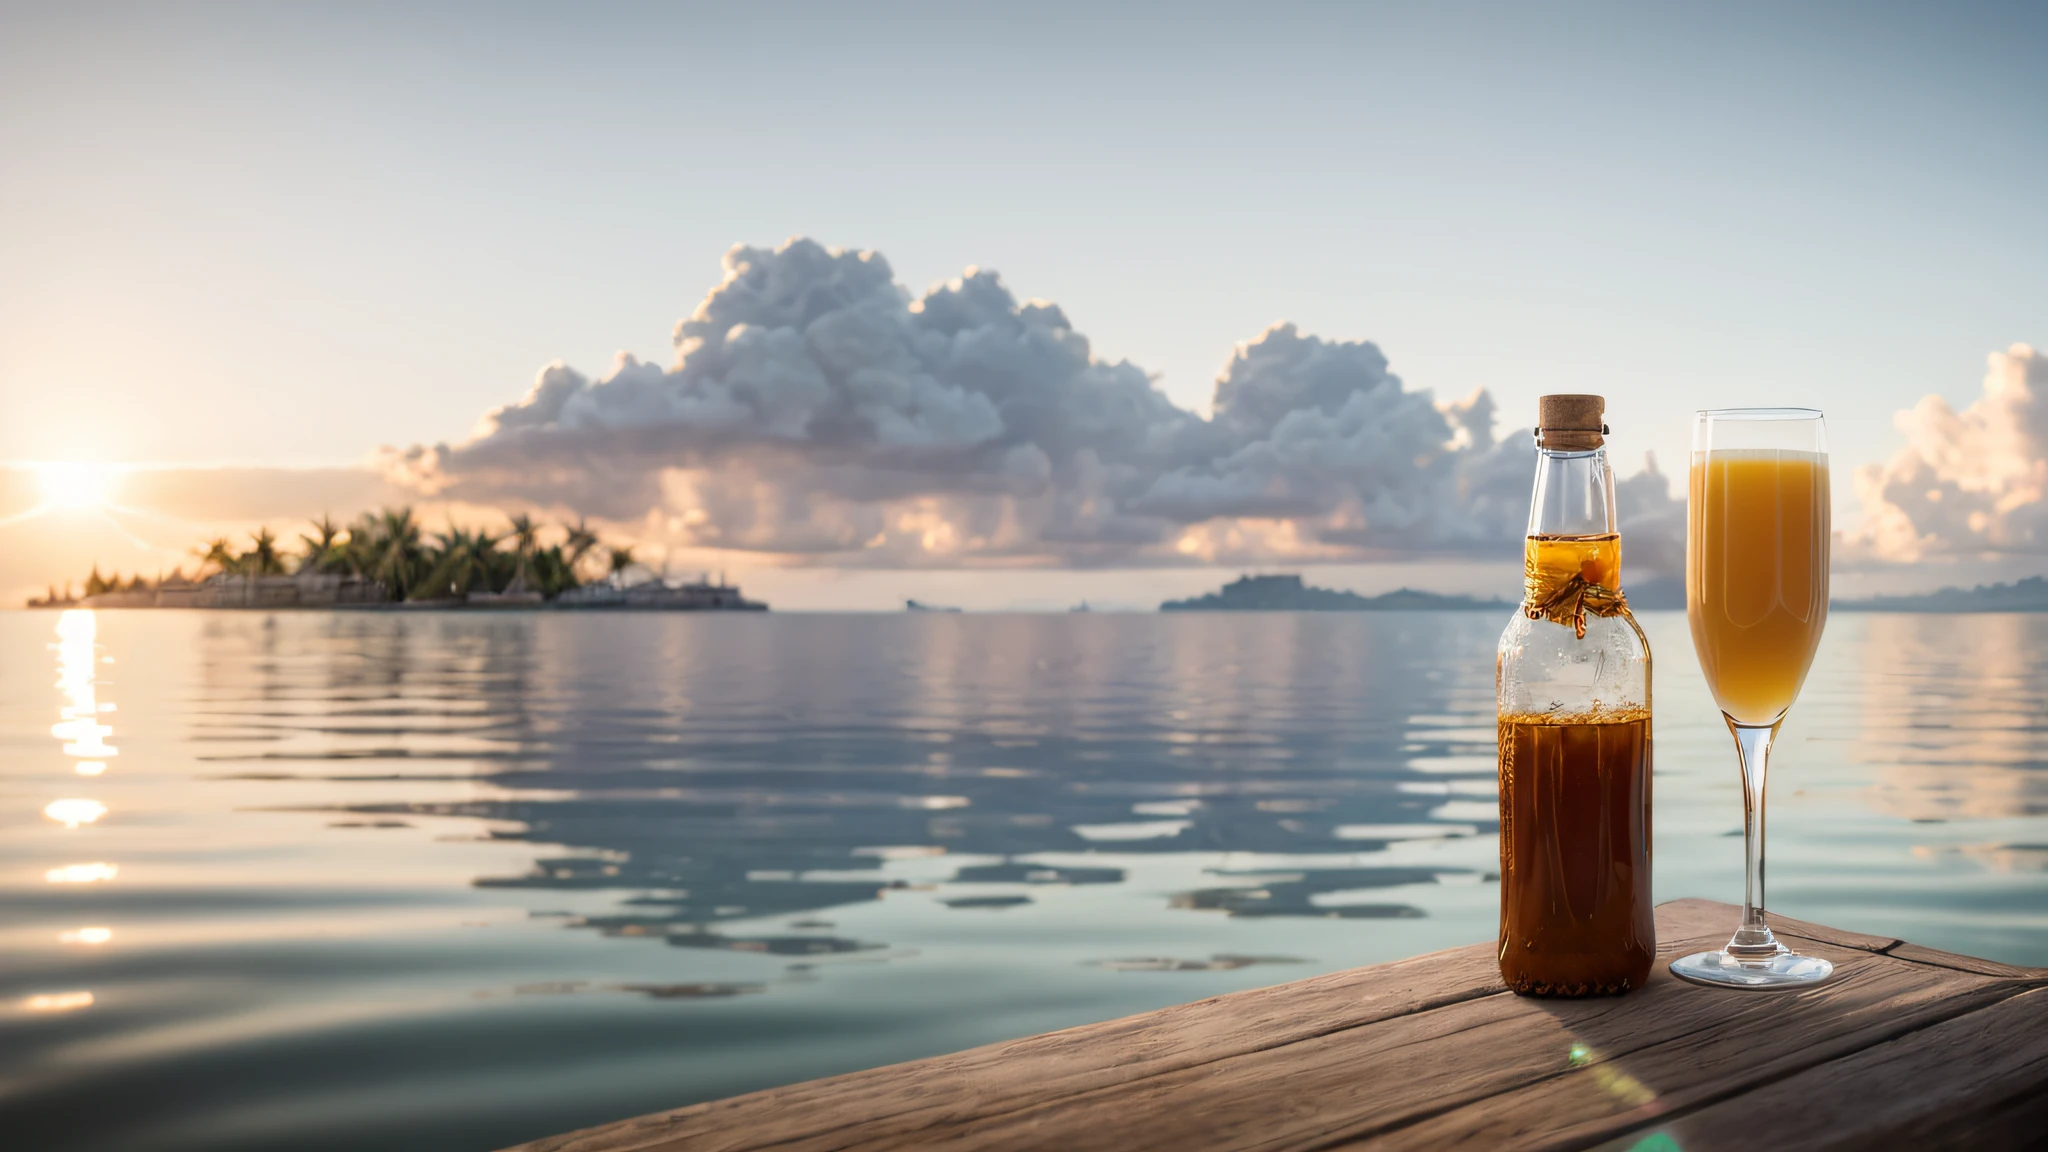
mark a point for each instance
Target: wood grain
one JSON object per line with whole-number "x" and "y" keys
{"x": 1730, "y": 1049}
{"x": 981, "y": 1080}
{"x": 916, "y": 1096}
{"x": 1979, "y": 1081}
{"x": 1459, "y": 1061}
{"x": 1423, "y": 1053}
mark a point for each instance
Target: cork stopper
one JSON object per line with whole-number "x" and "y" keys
{"x": 1570, "y": 422}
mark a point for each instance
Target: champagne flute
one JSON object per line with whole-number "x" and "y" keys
{"x": 1756, "y": 595}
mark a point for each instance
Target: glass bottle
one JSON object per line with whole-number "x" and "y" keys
{"x": 1573, "y": 688}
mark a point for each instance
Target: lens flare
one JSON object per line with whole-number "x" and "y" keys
{"x": 75, "y": 486}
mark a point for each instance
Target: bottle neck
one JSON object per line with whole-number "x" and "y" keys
{"x": 1574, "y": 494}
{"x": 1572, "y": 529}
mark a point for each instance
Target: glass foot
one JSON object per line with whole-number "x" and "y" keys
{"x": 1785, "y": 972}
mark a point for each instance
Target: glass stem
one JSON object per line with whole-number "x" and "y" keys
{"x": 1753, "y": 941}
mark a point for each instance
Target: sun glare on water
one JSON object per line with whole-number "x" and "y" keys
{"x": 75, "y": 485}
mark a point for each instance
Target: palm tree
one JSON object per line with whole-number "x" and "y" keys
{"x": 466, "y": 562}
{"x": 219, "y": 553}
{"x": 323, "y": 550}
{"x": 263, "y": 559}
{"x": 622, "y": 561}
{"x": 358, "y": 553}
{"x": 525, "y": 537}
{"x": 581, "y": 540}
{"x": 394, "y": 554}
{"x": 554, "y": 572}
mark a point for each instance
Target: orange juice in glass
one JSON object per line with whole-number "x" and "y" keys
{"x": 1756, "y": 595}
{"x": 1756, "y": 588}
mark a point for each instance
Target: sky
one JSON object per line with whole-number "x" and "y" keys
{"x": 316, "y": 238}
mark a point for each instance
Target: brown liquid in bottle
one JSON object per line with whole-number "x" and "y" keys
{"x": 1575, "y": 916}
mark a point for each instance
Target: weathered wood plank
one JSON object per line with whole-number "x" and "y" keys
{"x": 1422, "y": 1053}
{"x": 1702, "y": 1046}
{"x": 1459, "y": 1061}
{"x": 915, "y": 1096}
{"x": 1060, "y": 1063}
{"x": 1976, "y": 1081}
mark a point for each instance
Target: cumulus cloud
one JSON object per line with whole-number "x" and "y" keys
{"x": 817, "y": 409}
{"x": 1966, "y": 483}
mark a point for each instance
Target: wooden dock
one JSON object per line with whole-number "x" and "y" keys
{"x": 1905, "y": 1047}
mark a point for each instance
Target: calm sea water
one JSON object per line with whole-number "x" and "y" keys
{"x": 451, "y": 881}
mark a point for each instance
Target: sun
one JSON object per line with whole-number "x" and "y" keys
{"x": 75, "y": 486}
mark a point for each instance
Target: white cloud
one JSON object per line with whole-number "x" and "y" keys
{"x": 816, "y": 409}
{"x": 1966, "y": 483}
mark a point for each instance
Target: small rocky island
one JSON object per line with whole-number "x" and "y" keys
{"x": 1289, "y": 594}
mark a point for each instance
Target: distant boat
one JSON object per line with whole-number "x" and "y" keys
{"x": 914, "y": 606}
{"x": 1081, "y": 607}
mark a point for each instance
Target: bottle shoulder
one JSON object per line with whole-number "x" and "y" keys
{"x": 1544, "y": 667}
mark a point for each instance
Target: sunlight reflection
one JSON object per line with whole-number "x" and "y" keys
{"x": 1402, "y": 831}
{"x": 1995, "y": 857}
{"x": 77, "y": 673}
{"x": 82, "y": 873}
{"x": 74, "y": 811}
{"x": 1949, "y": 718}
{"x": 91, "y": 767}
{"x": 77, "y": 624}
{"x": 91, "y": 746}
{"x": 58, "y": 1002}
{"x": 85, "y": 936}
{"x": 1136, "y": 830}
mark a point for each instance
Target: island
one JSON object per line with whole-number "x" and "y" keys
{"x": 1287, "y": 593}
{"x": 2029, "y": 595}
{"x": 385, "y": 560}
